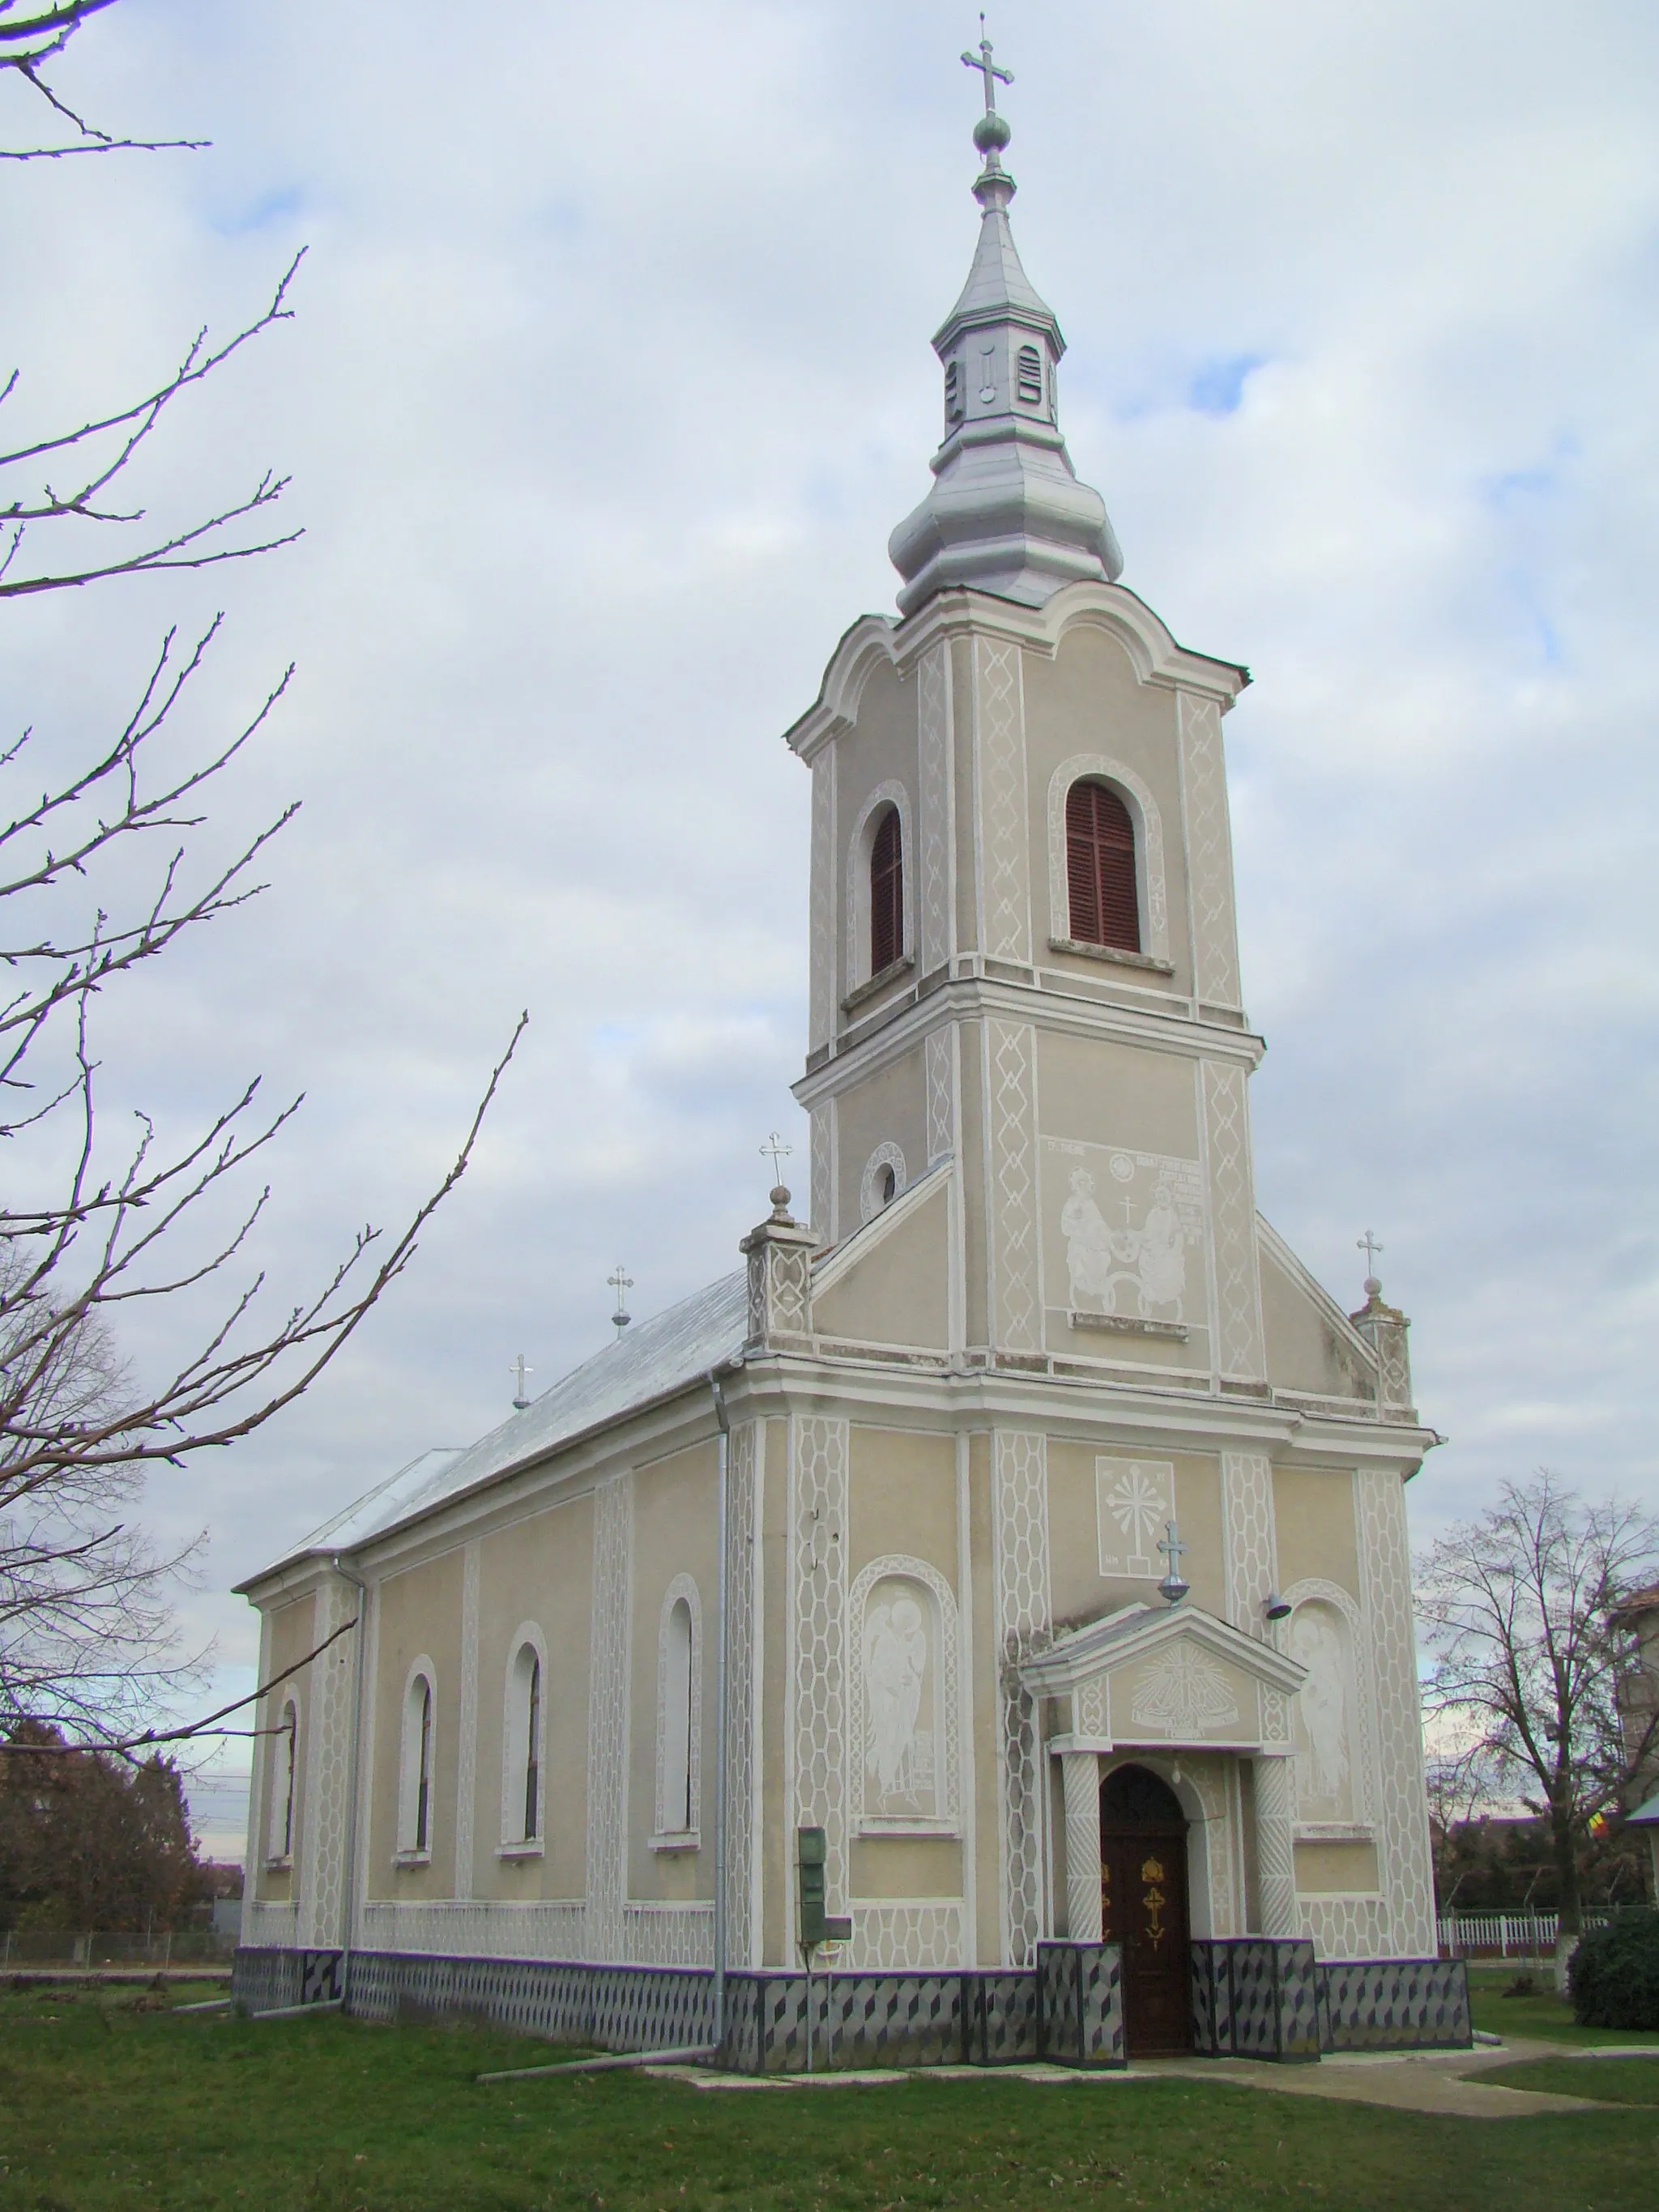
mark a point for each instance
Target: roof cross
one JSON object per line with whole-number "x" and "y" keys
{"x": 777, "y": 1152}
{"x": 1369, "y": 1245}
{"x": 621, "y": 1280}
{"x": 988, "y": 70}
{"x": 520, "y": 1369}
{"x": 1173, "y": 1588}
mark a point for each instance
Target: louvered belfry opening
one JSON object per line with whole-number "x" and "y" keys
{"x": 886, "y": 893}
{"x": 1100, "y": 868}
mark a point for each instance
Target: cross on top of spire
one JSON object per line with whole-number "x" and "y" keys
{"x": 1369, "y": 1245}
{"x": 988, "y": 68}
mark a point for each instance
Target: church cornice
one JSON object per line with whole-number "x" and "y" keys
{"x": 1156, "y": 657}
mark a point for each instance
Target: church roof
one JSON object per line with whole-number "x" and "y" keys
{"x": 654, "y": 1360}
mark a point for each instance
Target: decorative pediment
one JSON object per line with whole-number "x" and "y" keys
{"x": 1147, "y": 1675}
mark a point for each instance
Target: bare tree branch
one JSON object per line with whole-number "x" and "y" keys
{"x": 39, "y": 34}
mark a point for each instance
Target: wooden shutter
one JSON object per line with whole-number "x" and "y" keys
{"x": 886, "y": 893}
{"x": 1100, "y": 868}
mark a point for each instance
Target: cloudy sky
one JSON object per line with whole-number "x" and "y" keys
{"x": 609, "y": 378}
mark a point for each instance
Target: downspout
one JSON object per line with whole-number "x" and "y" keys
{"x": 347, "y": 1903}
{"x": 722, "y": 1584}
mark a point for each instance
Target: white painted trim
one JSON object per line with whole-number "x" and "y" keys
{"x": 857, "y": 969}
{"x": 1152, "y": 892}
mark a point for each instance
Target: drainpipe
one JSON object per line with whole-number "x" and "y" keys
{"x": 722, "y": 1582}
{"x": 348, "y": 1896}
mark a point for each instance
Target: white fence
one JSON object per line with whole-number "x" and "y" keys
{"x": 1504, "y": 1935}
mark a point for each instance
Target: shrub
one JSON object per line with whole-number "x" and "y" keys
{"x": 1615, "y": 1976}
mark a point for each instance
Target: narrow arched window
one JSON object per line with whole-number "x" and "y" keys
{"x": 1100, "y": 868}
{"x": 886, "y": 1186}
{"x": 285, "y": 1772}
{"x": 533, "y": 1765}
{"x": 415, "y": 1791}
{"x": 886, "y": 892}
{"x": 677, "y": 1718}
{"x": 1027, "y": 370}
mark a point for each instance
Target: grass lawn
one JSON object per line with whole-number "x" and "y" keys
{"x": 1545, "y": 2015}
{"x": 1613, "y": 2080}
{"x": 104, "y": 2105}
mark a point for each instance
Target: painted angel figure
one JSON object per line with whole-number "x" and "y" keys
{"x": 894, "y": 1657}
{"x": 1163, "y": 1253}
{"x": 1088, "y": 1240}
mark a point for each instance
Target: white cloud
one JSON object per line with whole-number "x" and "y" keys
{"x": 609, "y": 378}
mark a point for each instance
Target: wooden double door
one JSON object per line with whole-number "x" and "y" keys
{"x": 1143, "y": 1900}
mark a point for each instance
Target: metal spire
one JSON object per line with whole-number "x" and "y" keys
{"x": 1007, "y": 514}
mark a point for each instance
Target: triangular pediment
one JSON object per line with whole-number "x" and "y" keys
{"x": 1147, "y": 1675}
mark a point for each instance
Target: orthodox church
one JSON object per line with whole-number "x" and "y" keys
{"x": 979, "y": 1625}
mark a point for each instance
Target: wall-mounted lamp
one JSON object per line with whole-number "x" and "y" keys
{"x": 1274, "y": 1607}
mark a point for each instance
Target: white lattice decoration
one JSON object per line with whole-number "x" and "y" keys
{"x": 946, "y": 1658}
{"x": 820, "y": 1626}
{"x": 466, "y": 1763}
{"x": 1149, "y": 848}
{"x": 607, "y": 1727}
{"x": 822, "y": 1171}
{"x": 1012, "y": 1049}
{"x": 822, "y": 933}
{"x": 1019, "y": 1477}
{"x": 742, "y": 1700}
{"x": 1347, "y": 1926}
{"x": 1002, "y": 797}
{"x": 476, "y": 1930}
{"x": 269, "y": 1927}
{"x": 933, "y": 747}
{"x": 916, "y": 1935}
{"x": 668, "y": 1934}
{"x": 1232, "y": 1216}
{"x": 1209, "y": 853}
{"x": 940, "y": 1081}
{"x": 681, "y": 1590}
{"x": 328, "y": 1778}
{"x": 1275, "y": 1855}
{"x": 1246, "y": 1490}
{"x": 1403, "y": 1825}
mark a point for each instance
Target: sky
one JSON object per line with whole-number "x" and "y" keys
{"x": 608, "y": 379}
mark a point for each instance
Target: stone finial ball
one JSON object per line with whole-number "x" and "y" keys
{"x": 780, "y": 1194}
{"x": 1373, "y": 1288}
{"x": 991, "y": 133}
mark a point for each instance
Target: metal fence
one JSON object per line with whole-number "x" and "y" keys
{"x": 1504, "y": 1935}
{"x": 191, "y": 1947}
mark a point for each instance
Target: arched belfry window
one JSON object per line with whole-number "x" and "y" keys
{"x": 1027, "y": 374}
{"x": 886, "y": 892}
{"x": 1100, "y": 868}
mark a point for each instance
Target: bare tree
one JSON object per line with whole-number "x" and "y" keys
{"x": 94, "y": 1229}
{"x": 1523, "y": 1659}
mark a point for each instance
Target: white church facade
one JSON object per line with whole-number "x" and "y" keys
{"x": 1018, "y": 1537}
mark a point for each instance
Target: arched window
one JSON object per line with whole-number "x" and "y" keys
{"x": 415, "y": 1793}
{"x": 1100, "y": 868}
{"x": 521, "y": 1748}
{"x": 886, "y": 892}
{"x": 285, "y": 1771}
{"x": 679, "y": 1660}
{"x": 1027, "y": 374}
{"x": 886, "y": 1185}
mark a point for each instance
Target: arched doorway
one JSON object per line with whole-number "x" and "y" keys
{"x": 1143, "y": 1900}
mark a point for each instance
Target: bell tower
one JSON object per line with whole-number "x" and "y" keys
{"x": 1027, "y": 723}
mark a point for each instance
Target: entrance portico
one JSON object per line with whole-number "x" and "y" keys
{"x": 1207, "y": 1710}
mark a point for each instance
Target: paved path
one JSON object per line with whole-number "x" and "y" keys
{"x": 1446, "y": 2082}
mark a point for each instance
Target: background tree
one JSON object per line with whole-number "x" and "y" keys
{"x": 1523, "y": 1661}
{"x": 94, "y": 1224}
{"x": 88, "y": 1841}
